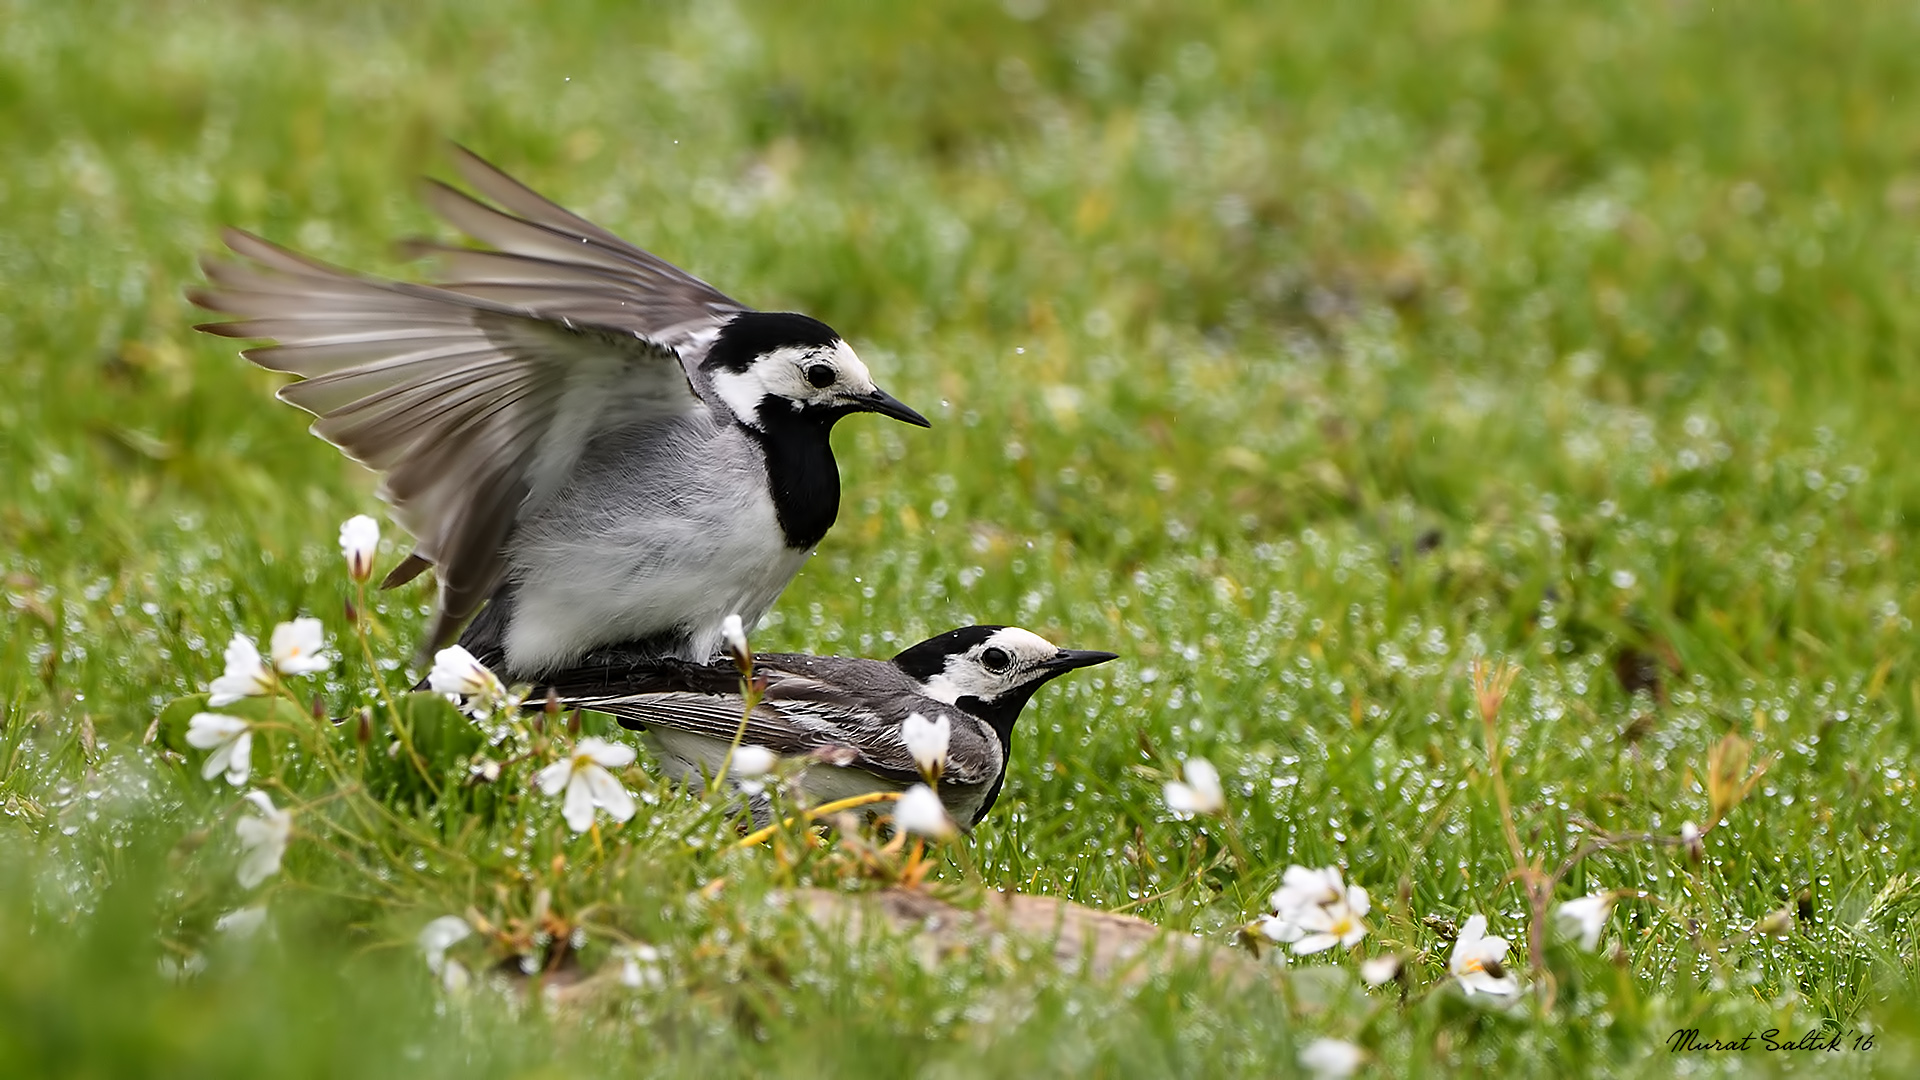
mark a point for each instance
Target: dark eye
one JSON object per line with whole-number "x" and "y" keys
{"x": 996, "y": 660}
{"x": 820, "y": 375}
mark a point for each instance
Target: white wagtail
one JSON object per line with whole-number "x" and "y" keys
{"x": 844, "y": 715}
{"x": 602, "y": 445}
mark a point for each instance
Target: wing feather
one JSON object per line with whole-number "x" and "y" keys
{"x": 790, "y": 728}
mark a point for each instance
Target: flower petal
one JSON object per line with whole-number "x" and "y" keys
{"x": 240, "y": 759}
{"x": 207, "y": 730}
{"x": 552, "y": 780}
{"x": 245, "y": 676}
{"x": 927, "y": 741}
{"x": 1314, "y": 943}
{"x": 260, "y": 863}
{"x": 298, "y": 647}
{"x": 611, "y": 754}
{"x": 438, "y": 936}
{"x": 1204, "y": 781}
{"x": 1331, "y": 1059}
{"x": 242, "y": 922}
{"x": 1181, "y": 799}
{"x": 359, "y": 541}
{"x": 608, "y": 793}
{"x": 578, "y": 808}
{"x": 216, "y": 762}
{"x": 921, "y": 811}
{"x": 753, "y": 762}
{"x": 1280, "y": 929}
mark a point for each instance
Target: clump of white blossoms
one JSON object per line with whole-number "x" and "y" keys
{"x": 1479, "y": 961}
{"x": 263, "y": 840}
{"x": 582, "y": 775}
{"x": 296, "y": 648}
{"x": 1200, "y": 793}
{"x": 231, "y": 740}
{"x": 921, "y": 813}
{"x": 1315, "y": 910}
{"x": 927, "y": 741}
{"x": 359, "y": 542}
{"x": 458, "y": 673}
{"x": 1585, "y": 918}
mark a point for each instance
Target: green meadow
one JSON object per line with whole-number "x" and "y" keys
{"x": 1310, "y": 356}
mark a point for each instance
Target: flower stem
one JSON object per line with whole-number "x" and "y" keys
{"x": 750, "y": 696}
{"x": 386, "y": 696}
{"x": 760, "y": 836}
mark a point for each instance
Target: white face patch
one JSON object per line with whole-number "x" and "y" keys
{"x": 1010, "y": 658}
{"x": 788, "y": 374}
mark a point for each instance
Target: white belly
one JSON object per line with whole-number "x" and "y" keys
{"x": 641, "y": 575}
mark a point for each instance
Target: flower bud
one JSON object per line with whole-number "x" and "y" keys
{"x": 359, "y": 541}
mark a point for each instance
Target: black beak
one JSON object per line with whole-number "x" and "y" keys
{"x": 1068, "y": 659}
{"x": 887, "y": 405}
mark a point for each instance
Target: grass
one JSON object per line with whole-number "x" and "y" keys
{"x": 1301, "y": 353}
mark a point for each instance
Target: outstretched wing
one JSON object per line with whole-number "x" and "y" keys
{"x": 475, "y": 398}
{"x": 549, "y": 260}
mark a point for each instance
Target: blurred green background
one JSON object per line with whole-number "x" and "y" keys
{"x": 1297, "y": 351}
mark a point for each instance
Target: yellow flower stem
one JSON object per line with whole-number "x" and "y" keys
{"x": 760, "y": 836}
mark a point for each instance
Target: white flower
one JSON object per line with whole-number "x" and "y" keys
{"x": 246, "y": 676}
{"x": 1339, "y": 923}
{"x": 454, "y": 978}
{"x": 735, "y": 637}
{"x": 1331, "y": 1059}
{"x": 753, "y": 762}
{"x": 1380, "y": 970}
{"x": 1200, "y": 794}
{"x": 1478, "y": 961}
{"x": 584, "y": 777}
{"x": 438, "y": 936}
{"x": 242, "y": 923}
{"x": 457, "y": 672}
{"x": 920, "y": 811}
{"x": 297, "y": 647}
{"x": 231, "y": 740}
{"x": 1281, "y": 928}
{"x": 640, "y": 966}
{"x": 1317, "y": 902}
{"x": 927, "y": 741}
{"x": 359, "y": 540}
{"x": 263, "y": 840}
{"x": 1303, "y": 887}
{"x": 750, "y": 765}
{"x": 1690, "y": 833}
{"x": 1585, "y": 918}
